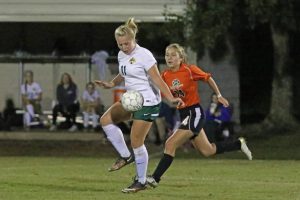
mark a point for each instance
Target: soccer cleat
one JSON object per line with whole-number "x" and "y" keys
{"x": 134, "y": 187}
{"x": 151, "y": 181}
{"x": 53, "y": 128}
{"x": 73, "y": 128}
{"x": 245, "y": 149}
{"x": 121, "y": 162}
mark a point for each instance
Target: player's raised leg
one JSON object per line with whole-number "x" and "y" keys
{"x": 207, "y": 149}
{"x": 114, "y": 134}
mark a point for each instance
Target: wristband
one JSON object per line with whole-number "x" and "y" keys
{"x": 219, "y": 96}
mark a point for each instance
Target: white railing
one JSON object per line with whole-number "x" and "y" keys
{"x": 87, "y": 10}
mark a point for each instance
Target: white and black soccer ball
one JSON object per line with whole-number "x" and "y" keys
{"x": 132, "y": 100}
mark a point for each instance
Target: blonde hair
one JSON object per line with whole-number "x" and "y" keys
{"x": 129, "y": 28}
{"x": 180, "y": 51}
{"x": 28, "y": 72}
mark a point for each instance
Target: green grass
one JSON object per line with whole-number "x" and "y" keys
{"x": 42, "y": 170}
{"x": 36, "y": 178}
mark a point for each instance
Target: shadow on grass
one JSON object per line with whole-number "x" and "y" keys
{"x": 53, "y": 187}
{"x": 89, "y": 180}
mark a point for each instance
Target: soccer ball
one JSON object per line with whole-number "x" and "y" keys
{"x": 132, "y": 100}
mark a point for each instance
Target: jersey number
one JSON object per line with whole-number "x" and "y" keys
{"x": 178, "y": 93}
{"x": 123, "y": 69}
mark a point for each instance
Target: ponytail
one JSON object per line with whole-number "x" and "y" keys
{"x": 129, "y": 28}
{"x": 132, "y": 25}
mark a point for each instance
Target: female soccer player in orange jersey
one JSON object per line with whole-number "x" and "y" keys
{"x": 182, "y": 79}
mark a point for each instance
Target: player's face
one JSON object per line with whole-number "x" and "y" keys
{"x": 90, "y": 89}
{"x": 28, "y": 77}
{"x": 66, "y": 79}
{"x": 173, "y": 58}
{"x": 125, "y": 43}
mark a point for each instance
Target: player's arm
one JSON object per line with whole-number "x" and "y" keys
{"x": 158, "y": 81}
{"x": 59, "y": 94}
{"x": 212, "y": 84}
{"x": 84, "y": 103}
{"x": 98, "y": 102}
{"x": 24, "y": 96}
{"x": 25, "y": 99}
{"x": 39, "y": 93}
{"x": 105, "y": 84}
{"x": 40, "y": 96}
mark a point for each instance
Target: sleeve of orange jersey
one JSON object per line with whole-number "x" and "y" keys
{"x": 198, "y": 74}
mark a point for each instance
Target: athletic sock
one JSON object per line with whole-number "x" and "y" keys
{"x": 27, "y": 119}
{"x": 95, "y": 120}
{"x": 141, "y": 163}
{"x": 227, "y": 146}
{"x": 85, "y": 119}
{"x": 30, "y": 110}
{"x": 115, "y": 136}
{"x": 163, "y": 165}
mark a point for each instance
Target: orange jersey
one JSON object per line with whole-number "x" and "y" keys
{"x": 183, "y": 83}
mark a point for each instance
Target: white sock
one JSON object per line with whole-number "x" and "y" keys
{"x": 141, "y": 163}
{"x": 85, "y": 119}
{"x": 115, "y": 136}
{"x": 95, "y": 120}
{"x": 27, "y": 119}
{"x": 29, "y": 109}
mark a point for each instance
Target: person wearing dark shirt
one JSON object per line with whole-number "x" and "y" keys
{"x": 10, "y": 117}
{"x": 67, "y": 104}
{"x": 218, "y": 120}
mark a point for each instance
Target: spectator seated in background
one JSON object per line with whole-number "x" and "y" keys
{"x": 91, "y": 106}
{"x": 218, "y": 120}
{"x": 10, "y": 117}
{"x": 67, "y": 104}
{"x": 31, "y": 98}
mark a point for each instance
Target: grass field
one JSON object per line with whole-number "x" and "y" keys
{"x": 37, "y": 178}
{"x": 46, "y": 170}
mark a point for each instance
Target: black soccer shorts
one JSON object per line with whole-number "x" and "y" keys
{"x": 192, "y": 118}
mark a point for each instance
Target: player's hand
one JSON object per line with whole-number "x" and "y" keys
{"x": 177, "y": 102}
{"x": 104, "y": 84}
{"x": 223, "y": 101}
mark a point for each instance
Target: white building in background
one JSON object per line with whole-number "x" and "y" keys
{"x": 87, "y": 10}
{"x": 102, "y": 11}
{"x": 83, "y": 11}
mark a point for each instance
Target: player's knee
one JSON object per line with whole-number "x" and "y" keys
{"x": 105, "y": 120}
{"x": 170, "y": 148}
{"x": 136, "y": 142}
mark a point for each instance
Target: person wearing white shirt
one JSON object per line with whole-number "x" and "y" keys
{"x": 91, "y": 103}
{"x": 31, "y": 98}
{"x": 137, "y": 67}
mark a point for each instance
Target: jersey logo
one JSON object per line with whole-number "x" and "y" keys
{"x": 176, "y": 88}
{"x": 132, "y": 60}
{"x": 176, "y": 83}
